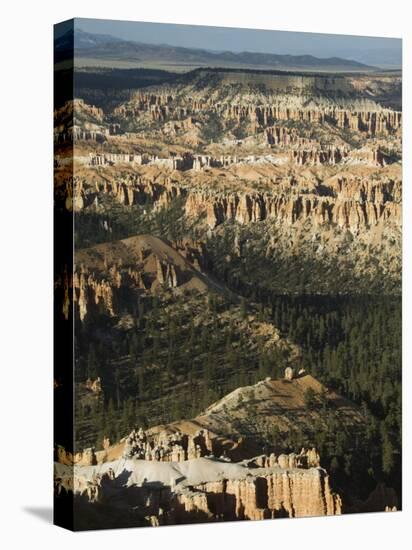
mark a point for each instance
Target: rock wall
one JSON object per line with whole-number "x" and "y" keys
{"x": 315, "y": 155}
{"x": 128, "y": 190}
{"x": 284, "y": 137}
{"x": 90, "y": 289}
{"x": 87, "y": 457}
{"x": 167, "y": 447}
{"x": 248, "y": 494}
{"x": 109, "y": 277}
{"x": 375, "y": 122}
{"x": 369, "y": 156}
{"x": 269, "y": 495}
{"x": 384, "y": 121}
{"x": 357, "y": 204}
{"x": 164, "y": 107}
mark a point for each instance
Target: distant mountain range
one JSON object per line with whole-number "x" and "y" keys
{"x": 109, "y": 51}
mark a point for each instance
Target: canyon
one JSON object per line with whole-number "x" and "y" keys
{"x": 235, "y": 289}
{"x": 313, "y": 159}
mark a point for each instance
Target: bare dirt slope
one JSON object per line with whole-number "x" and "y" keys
{"x": 281, "y": 403}
{"x": 239, "y": 421}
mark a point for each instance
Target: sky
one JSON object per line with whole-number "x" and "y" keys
{"x": 383, "y": 52}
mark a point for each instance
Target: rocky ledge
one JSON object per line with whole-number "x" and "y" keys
{"x": 203, "y": 489}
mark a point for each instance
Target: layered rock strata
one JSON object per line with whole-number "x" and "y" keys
{"x": 203, "y": 490}
{"x": 372, "y": 121}
{"x": 368, "y": 204}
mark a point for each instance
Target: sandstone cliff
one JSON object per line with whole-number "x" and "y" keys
{"x": 352, "y": 203}
{"x": 203, "y": 489}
